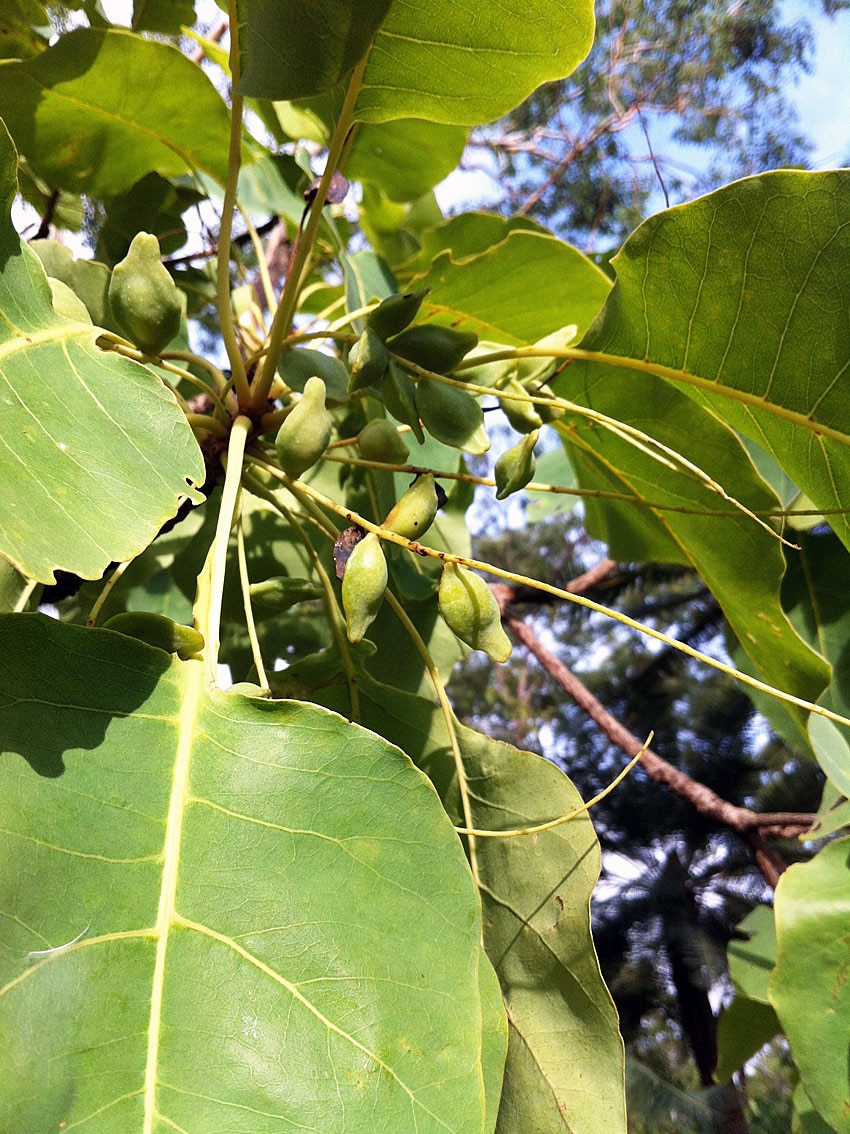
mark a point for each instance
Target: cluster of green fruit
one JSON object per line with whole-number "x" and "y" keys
{"x": 465, "y": 601}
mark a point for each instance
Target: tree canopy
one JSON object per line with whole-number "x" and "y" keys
{"x": 314, "y": 898}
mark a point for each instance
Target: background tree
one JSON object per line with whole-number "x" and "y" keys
{"x": 674, "y": 99}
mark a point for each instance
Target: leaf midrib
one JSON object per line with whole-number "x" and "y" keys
{"x": 170, "y": 870}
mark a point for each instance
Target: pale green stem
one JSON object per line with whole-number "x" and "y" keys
{"x": 245, "y": 584}
{"x": 234, "y": 161}
{"x": 208, "y": 607}
{"x": 262, "y": 266}
{"x": 106, "y": 590}
{"x": 708, "y": 385}
{"x": 25, "y": 596}
{"x": 559, "y": 490}
{"x": 210, "y": 424}
{"x": 585, "y": 807}
{"x": 449, "y": 719}
{"x": 218, "y": 376}
{"x": 331, "y": 604}
{"x": 289, "y": 297}
{"x": 652, "y": 448}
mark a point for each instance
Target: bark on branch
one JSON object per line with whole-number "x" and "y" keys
{"x": 751, "y": 825}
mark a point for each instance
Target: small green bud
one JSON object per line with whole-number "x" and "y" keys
{"x": 471, "y": 612}
{"x": 363, "y": 586}
{"x": 434, "y": 347}
{"x": 399, "y": 397}
{"x": 379, "y": 440}
{"x": 547, "y": 413}
{"x": 305, "y": 433}
{"x": 159, "y": 631}
{"x": 452, "y": 416}
{"x": 394, "y": 314}
{"x": 522, "y": 415}
{"x": 143, "y": 297}
{"x": 369, "y": 361}
{"x": 415, "y": 510}
{"x": 515, "y": 468}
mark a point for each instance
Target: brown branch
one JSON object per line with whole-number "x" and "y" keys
{"x": 751, "y": 825}
{"x": 508, "y": 595}
{"x": 47, "y": 219}
{"x": 215, "y": 36}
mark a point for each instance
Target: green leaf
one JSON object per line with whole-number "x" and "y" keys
{"x": 270, "y": 185}
{"x": 367, "y": 278}
{"x": 439, "y": 61}
{"x": 136, "y": 106}
{"x": 405, "y": 158}
{"x": 737, "y": 299}
{"x": 831, "y": 743}
{"x": 740, "y": 561}
{"x": 751, "y": 962}
{"x": 166, "y": 17}
{"x": 394, "y": 230}
{"x": 806, "y": 1118}
{"x": 445, "y": 62}
{"x": 742, "y": 1031}
{"x": 95, "y": 452}
{"x": 280, "y": 63}
{"x": 809, "y": 988}
{"x": 564, "y": 1047}
{"x": 259, "y": 910}
{"x": 552, "y": 468}
{"x": 12, "y": 586}
{"x": 508, "y": 283}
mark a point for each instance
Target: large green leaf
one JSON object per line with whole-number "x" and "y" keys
{"x": 405, "y": 158}
{"x": 163, "y": 16}
{"x": 809, "y": 988}
{"x": 444, "y": 62}
{"x": 439, "y": 61}
{"x": 741, "y": 562}
{"x": 564, "y": 1071}
{"x": 102, "y": 108}
{"x": 740, "y": 298}
{"x": 749, "y": 1022}
{"x": 94, "y": 450}
{"x": 291, "y": 50}
{"x": 510, "y": 283}
{"x": 256, "y": 911}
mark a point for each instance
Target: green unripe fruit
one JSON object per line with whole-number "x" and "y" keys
{"x": 452, "y": 416}
{"x": 159, "y": 631}
{"x": 434, "y": 347}
{"x": 523, "y": 415}
{"x": 515, "y": 468}
{"x": 282, "y": 592}
{"x": 399, "y": 397}
{"x": 471, "y": 612}
{"x": 144, "y": 298}
{"x": 416, "y": 509}
{"x": 379, "y": 440}
{"x": 363, "y": 586}
{"x": 394, "y": 314}
{"x": 305, "y": 433}
{"x": 547, "y": 413}
{"x": 369, "y": 361}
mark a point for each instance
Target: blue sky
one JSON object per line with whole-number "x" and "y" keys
{"x": 823, "y": 98}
